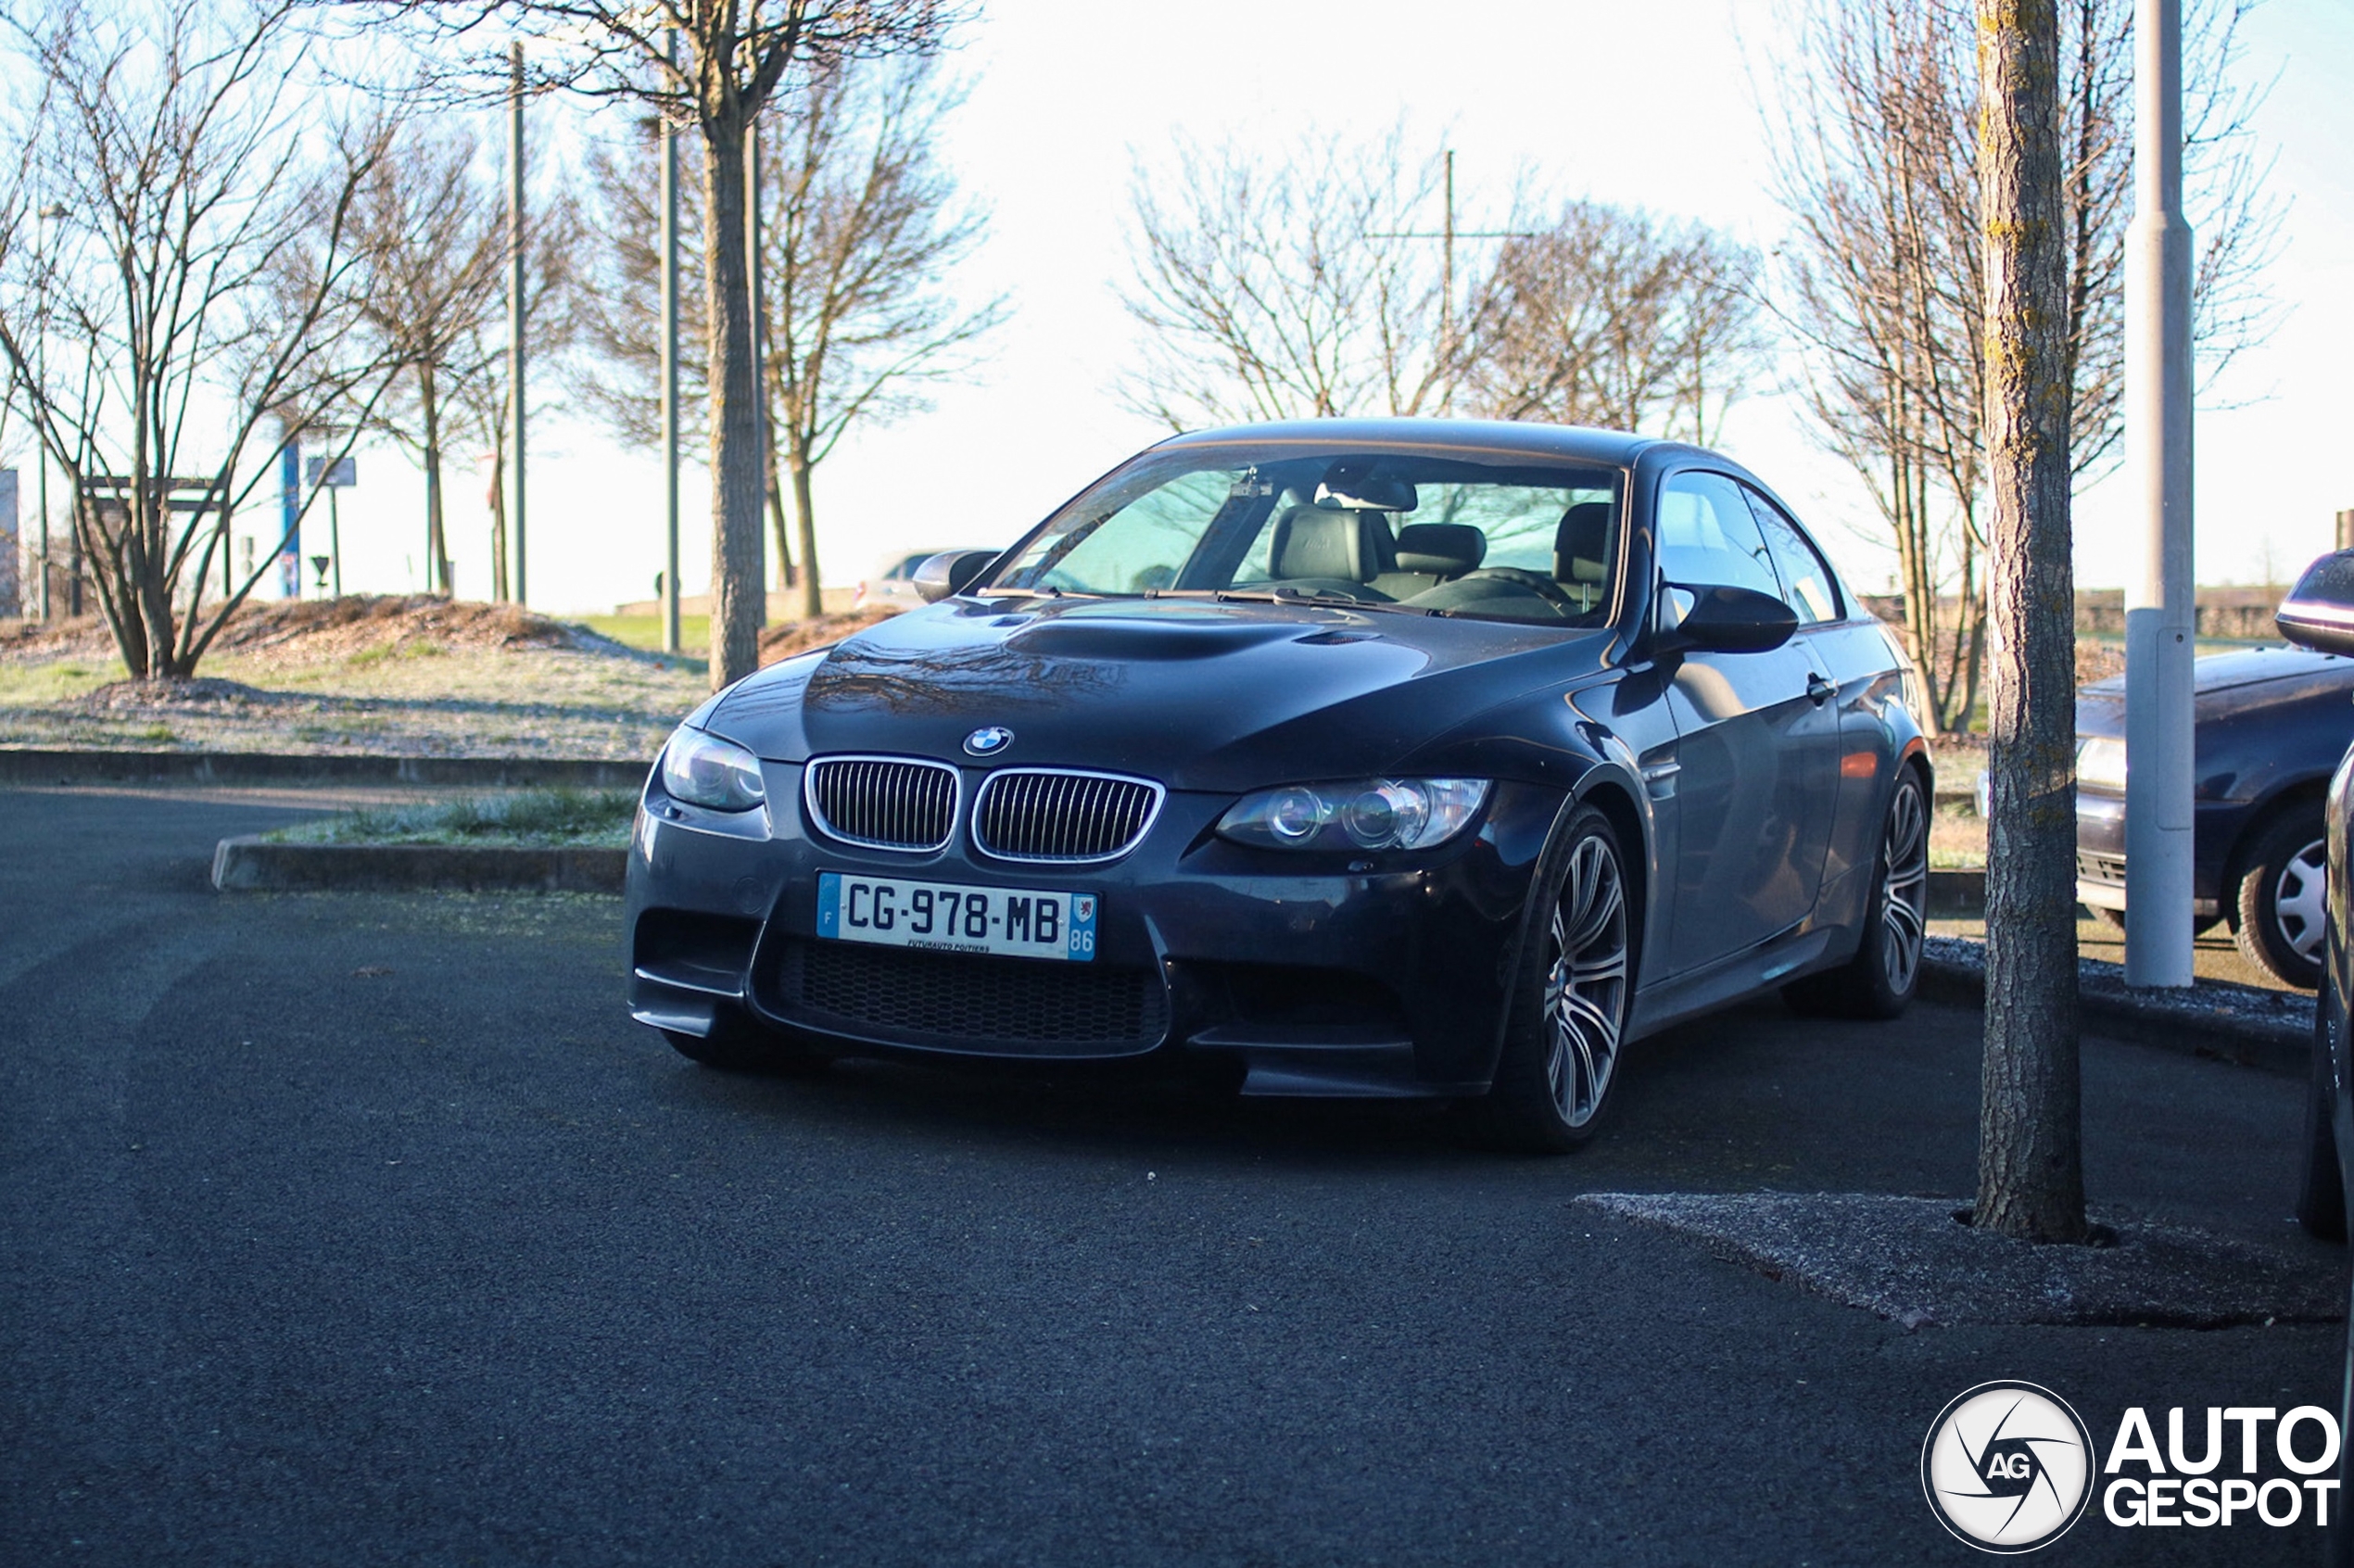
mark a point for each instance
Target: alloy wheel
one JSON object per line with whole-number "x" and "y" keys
{"x": 2300, "y": 900}
{"x": 1586, "y": 983}
{"x": 1905, "y": 887}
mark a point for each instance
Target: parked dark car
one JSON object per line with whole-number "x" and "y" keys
{"x": 2271, "y": 725}
{"x": 1382, "y": 758}
{"x": 2318, "y": 613}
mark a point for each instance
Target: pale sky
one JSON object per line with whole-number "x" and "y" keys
{"x": 1642, "y": 105}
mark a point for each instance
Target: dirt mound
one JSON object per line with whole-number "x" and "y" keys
{"x": 124, "y": 696}
{"x": 304, "y": 629}
{"x": 799, "y": 636}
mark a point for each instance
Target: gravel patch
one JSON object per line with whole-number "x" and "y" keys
{"x": 1907, "y": 1260}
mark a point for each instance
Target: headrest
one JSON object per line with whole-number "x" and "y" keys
{"x": 1581, "y": 545}
{"x": 1351, "y": 546}
{"x": 1445, "y": 549}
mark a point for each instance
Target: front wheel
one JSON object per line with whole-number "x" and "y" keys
{"x": 1568, "y": 1023}
{"x": 1879, "y": 980}
{"x": 2284, "y": 898}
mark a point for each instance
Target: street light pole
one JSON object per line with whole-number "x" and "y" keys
{"x": 2160, "y": 608}
{"x": 42, "y": 218}
{"x": 516, "y": 400}
{"x": 670, "y": 640}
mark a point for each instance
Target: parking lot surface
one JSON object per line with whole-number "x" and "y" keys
{"x": 362, "y": 1229}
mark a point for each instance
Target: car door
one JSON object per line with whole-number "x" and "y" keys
{"x": 1756, "y": 748}
{"x": 1854, "y": 651}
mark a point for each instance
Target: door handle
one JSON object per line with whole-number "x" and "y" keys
{"x": 1820, "y": 690}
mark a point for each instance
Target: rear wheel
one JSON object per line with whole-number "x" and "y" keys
{"x": 1568, "y": 1026}
{"x": 1879, "y": 980}
{"x": 2283, "y": 897}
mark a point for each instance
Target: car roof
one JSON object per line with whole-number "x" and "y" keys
{"x": 1618, "y": 448}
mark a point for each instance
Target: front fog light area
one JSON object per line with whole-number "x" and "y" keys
{"x": 1369, "y": 814}
{"x": 703, "y": 770}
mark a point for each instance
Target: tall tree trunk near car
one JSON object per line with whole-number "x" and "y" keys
{"x": 739, "y": 591}
{"x": 785, "y": 577}
{"x": 804, "y": 506}
{"x": 437, "y": 537}
{"x": 499, "y": 520}
{"x": 2031, "y": 1180}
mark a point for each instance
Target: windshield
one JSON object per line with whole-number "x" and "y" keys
{"x": 1431, "y": 532}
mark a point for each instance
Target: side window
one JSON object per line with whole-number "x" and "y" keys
{"x": 1707, "y": 536}
{"x": 1808, "y": 585}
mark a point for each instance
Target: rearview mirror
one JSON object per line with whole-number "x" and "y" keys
{"x": 2318, "y": 611}
{"x": 1723, "y": 619}
{"x": 950, "y": 571}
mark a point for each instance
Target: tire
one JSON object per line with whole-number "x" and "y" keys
{"x": 2283, "y": 897}
{"x": 1879, "y": 982}
{"x": 1570, "y": 1002}
{"x": 736, "y": 1044}
{"x": 2320, "y": 1194}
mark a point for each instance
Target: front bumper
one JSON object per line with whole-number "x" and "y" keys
{"x": 2100, "y": 852}
{"x": 1312, "y": 977}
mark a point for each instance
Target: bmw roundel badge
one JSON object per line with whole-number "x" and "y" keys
{"x": 990, "y": 742}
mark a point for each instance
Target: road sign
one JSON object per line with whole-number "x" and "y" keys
{"x": 342, "y": 475}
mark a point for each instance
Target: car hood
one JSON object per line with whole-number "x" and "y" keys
{"x": 2225, "y": 685}
{"x": 1199, "y": 694}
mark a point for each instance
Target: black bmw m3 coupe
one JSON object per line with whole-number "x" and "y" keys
{"x": 1382, "y": 758}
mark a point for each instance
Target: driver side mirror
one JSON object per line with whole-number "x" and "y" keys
{"x": 2318, "y": 611}
{"x": 949, "y": 573}
{"x": 1722, "y": 618}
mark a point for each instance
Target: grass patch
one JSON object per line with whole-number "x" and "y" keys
{"x": 31, "y": 685}
{"x": 645, "y": 631}
{"x": 529, "y": 819}
{"x": 387, "y": 652}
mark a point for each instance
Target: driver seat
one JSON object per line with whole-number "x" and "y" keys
{"x": 1317, "y": 544}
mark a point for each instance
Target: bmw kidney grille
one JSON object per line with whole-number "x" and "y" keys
{"x": 884, "y": 802}
{"x": 1054, "y": 815}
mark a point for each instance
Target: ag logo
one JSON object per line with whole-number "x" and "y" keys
{"x": 2007, "y": 1467}
{"x": 989, "y": 742}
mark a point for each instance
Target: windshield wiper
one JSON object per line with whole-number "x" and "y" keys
{"x": 1309, "y": 596}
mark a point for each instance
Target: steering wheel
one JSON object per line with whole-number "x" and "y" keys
{"x": 1537, "y": 583}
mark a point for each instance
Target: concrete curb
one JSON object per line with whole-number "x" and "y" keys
{"x": 28, "y": 766}
{"x": 249, "y": 864}
{"x": 1957, "y": 895}
{"x": 2271, "y": 1030}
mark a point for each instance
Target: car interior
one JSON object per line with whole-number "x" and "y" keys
{"x": 1334, "y": 547}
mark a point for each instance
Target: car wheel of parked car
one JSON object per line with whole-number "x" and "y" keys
{"x": 2320, "y": 1193}
{"x": 2284, "y": 897}
{"x": 1879, "y": 980}
{"x": 736, "y": 1046}
{"x": 1569, "y": 1015}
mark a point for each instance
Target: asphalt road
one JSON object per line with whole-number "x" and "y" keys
{"x": 357, "y": 1230}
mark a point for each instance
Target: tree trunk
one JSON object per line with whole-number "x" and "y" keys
{"x": 436, "y": 533}
{"x": 2030, "y": 1177}
{"x": 499, "y": 519}
{"x": 739, "y": 588}
{"x": 785, "y": 577}
{"x": 813, "y": 602}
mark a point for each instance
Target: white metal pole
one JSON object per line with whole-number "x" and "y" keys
{"x": 516, "y": 401}
{"x": 2160, "y": 610}
{"x": 670, "y": 640}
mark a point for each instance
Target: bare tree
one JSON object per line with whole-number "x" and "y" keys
{"x": 860, "y": 228}
{"x": 1609, "y": 317}
{"x": 1875, "y": 140}
{"x": 735, "y": 56}
{"x": 1276, "y": 288}
{"x": 2031, "y": 1173}
{"x": 153, "y": 340}
{"x": 431, "y": 240}
{"x": 1294, "y": 288}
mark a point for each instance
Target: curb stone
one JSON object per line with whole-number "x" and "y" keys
{"x": 2271, "y": 1030}
{"x": 249, "y": 863}
{"x": 22, "y": 766}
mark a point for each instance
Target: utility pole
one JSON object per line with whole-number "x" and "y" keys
{"x": 2161, "y": 609}
{"x": 1447, "y": 267}
{"x": 47, "y": 213}
{"x": 670, "y": 640}
{"x": 516, "y": 401}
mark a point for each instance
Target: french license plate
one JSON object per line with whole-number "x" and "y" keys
{"x": 948, "y": 917}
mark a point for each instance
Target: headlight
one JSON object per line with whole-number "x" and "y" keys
{"x": 2100, "y": 763}
{"x": 703, "y": 770}
{"x": 1368, "y": 813}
